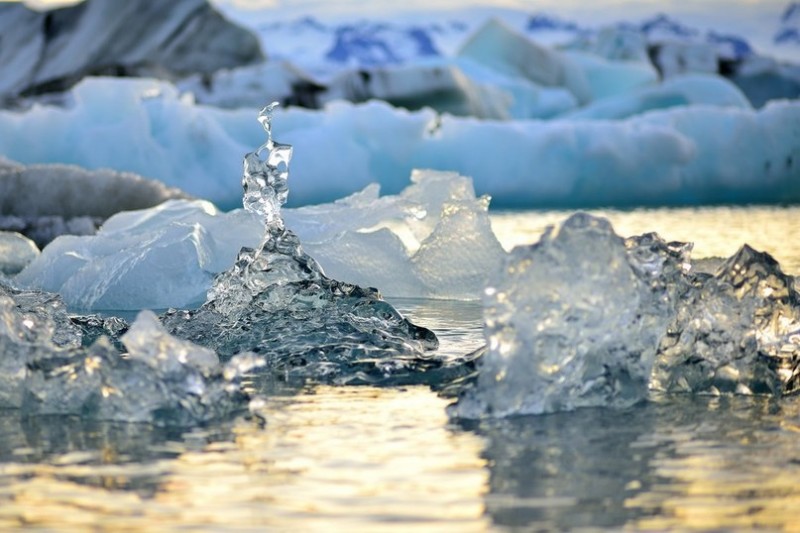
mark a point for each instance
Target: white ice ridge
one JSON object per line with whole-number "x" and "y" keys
{"x": 433, "y": 240}
{"x": 682, "y": 155}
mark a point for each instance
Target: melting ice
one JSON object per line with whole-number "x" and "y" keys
{"x": 585, "y": 318}
{"x": 276, "y": 301}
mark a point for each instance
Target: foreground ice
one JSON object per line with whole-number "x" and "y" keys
{"x": 433, "y": 240}
{"x": 156, "y": 258}
{"x": 683, "y": 155}
{"x": 273, "y": 310}
{"x": 583, "y": 318}
{"x": 276, "y": 302}
{"x": 48, "y": 369}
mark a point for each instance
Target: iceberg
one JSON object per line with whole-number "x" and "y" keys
{"x": 47, "y": 200}
{"x": 684, "y": 90}
{"x": 682, "y": 155}
{"x": 51, "y": 50}
{"x": 167, "y": 256}
{"x": 587, "y": 76}
{"x": 433, "y": 240}
{"x": 157, "y": 258}
{"x": 584, "y": 318}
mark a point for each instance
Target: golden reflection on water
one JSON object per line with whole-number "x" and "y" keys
{"x": 715, "y": 479}
{"x": 715, "y": 231}
{"x": 359, "y": 458}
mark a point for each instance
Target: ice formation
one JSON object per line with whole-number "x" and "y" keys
{"x": 737, "y": 330}
{"x": 583, "y": 318}
{"x": 682, "y": 155}
{"x": 171, "y": 252}
{"x": 685, "y": 90}
{"x": 276, "y": 302}
{"x": 433, "y": 240}
{"x": 569, "y": 323}
{"x": 48, "y": 370}
{"x": 156, "y": 258}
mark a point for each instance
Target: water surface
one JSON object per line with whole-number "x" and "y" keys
{"x": 389, "y": 459}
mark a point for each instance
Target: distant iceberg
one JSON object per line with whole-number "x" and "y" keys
{"x": 679, "y": 156}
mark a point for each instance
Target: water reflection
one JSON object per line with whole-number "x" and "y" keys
{"x": 353, "y": 458}
{"x": 677, "y": 463}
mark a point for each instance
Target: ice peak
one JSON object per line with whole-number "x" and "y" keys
{"x": 265, "y": 180}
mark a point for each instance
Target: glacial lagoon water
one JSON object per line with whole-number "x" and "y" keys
{"x": 361, "y": 458}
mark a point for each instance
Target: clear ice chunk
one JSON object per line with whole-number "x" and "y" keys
{"x": 276, "y": 301}
{"x": 736, "y": 331}
{"x": 570, "y": 322}
{"x": 583, "y": 318}
{"x": 46, "y": 368}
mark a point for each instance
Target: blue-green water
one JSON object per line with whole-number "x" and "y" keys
{"x": 378, "y": 459}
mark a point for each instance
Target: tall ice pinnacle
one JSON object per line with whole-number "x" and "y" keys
{"x": 265, "y": 180}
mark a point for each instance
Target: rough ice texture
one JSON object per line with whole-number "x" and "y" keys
{"x": 583, "y": 318}
{"x": 737, "y": 330}
{"x": 16, "y": 252}
{"x": 570, "y": 322}
{"x": 276, "y": 302}
{"x": 47, "y": 369}
{"x": 51, "y": 50}
{"x": 682, "y": 155}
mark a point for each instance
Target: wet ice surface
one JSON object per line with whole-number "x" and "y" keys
{"x": 276, "y": 301}
{"x": 583, "y": 318}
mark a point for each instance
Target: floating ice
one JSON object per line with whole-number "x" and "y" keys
{"x": 276, "y": 302}
{"x": 583, "y": 318}
{"x": 570, "y": 323}
{"x": 170, "y": 253}
{"x": 736, "y": 331}
{"x": 683, "y": 155}
{"x": 155, "y": 258}
{"x": 433, "y": 240}
{"x": 695, "y": 89}
{"x": 163, "y": 380}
